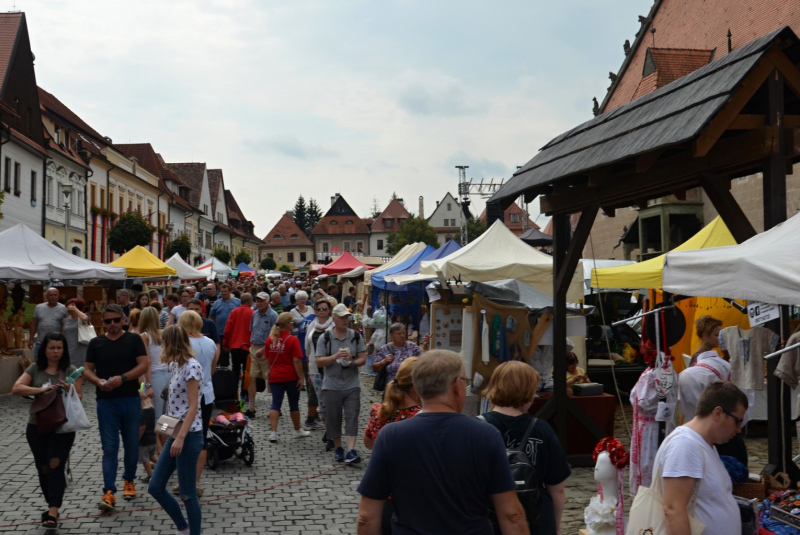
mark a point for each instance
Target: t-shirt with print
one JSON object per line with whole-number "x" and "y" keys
{"x": 686, "y": 454}
{"x": 447, "y": 459}
{"x": 545, "y": 453}
{"x": 116, "y": 357}
{"x": 338, "y": 377}
{"x": 40, "y": 378}
{"x": 49, "y": 319}
{"x": 148, "y": 421}
{"x": 178, "y": 404}
{"x": 204, "y": 351}
{"x": 302, "y": 330}
{"x": 281, "y": 358}
{"x": 374, "y": 424}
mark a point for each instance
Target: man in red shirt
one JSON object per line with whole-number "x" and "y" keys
{"x": 236, "y": 337}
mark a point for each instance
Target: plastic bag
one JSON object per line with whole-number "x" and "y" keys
{"x": 76, "y": 416}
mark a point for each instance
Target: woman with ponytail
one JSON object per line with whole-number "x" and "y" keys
{"x": 285, "y": 373}
{"x": 400, "y": 402}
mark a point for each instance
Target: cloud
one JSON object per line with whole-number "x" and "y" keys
{"x": 292, "y": 147}
{"x": 437, "y": 95}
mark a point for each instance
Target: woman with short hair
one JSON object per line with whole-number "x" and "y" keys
{"x": 707, "y": 328}
{"x": 511, "y": 390}
{"x": 395, "y": 352}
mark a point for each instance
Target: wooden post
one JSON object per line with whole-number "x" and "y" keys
{"x": 561, "y": 239}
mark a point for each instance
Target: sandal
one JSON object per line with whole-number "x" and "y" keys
{"x": 49, "y": 521}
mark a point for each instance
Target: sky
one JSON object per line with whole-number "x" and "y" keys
{"x": 362, "y": 98}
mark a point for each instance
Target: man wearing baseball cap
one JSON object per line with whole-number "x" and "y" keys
{"x": 260, "y": 325}
{"x": 341, "y": 351}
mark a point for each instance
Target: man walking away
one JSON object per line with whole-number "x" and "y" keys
{"x": 261, "y": 323}
{"x": 219, "y": 313}
{"x": 114, "y": 363}
{"x": 457, "y": 460}
{"x": 237, "y": 335}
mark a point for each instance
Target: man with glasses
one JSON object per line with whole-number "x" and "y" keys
{"x": 692, "y": 466}
{"x": 440, "y": 456}
{"x": 261, "y": 323}
{"x": 114, "y": 363}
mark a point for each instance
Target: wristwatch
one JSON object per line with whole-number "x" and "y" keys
{"x": 124, "y": 378}
{"x": 148, "y": 385}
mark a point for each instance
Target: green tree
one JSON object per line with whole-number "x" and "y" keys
{"x": 243, "y": 256}
{"x": 299, "y": 213}
{"x": 268, "y": 263}
{"x": 285, "y": 268}
{"x": 313, "y": 215}
{"x": 475, "y": 228}
{"x": 181, "y": 245}
{"x": 412, "y": 230}
{"x": 131, "y": 229}
{"x": 221, "y": 254}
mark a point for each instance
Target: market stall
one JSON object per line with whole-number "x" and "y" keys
{"x": 346, "y": 262}
{"x": 139, "y": 262}
{"x": 214, "y": 268}
{"x": 245, "y": 270}
{"x": 185, "y": 272}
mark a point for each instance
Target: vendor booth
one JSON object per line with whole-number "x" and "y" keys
{"x": 346, "y": 262}
{"x": 185, "y": 272}
{"x": 245, "y": 270}
{"x": 214, "y": 268}
{"x": 139, "y": 262}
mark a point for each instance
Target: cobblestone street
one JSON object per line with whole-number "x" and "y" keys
{"x": 327, "y": 504}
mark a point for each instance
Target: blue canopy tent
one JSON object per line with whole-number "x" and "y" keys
{"x": 243, "y": 268}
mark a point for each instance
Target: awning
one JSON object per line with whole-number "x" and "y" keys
{"x": 343, "y": 264}
{"x": 185, "y": 271}
{"x": 139, "y": 262}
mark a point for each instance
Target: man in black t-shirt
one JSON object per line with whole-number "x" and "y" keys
{"x": 114, "y": 363}
{"x": 441, "y": 468}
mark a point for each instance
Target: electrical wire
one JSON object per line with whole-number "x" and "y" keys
{"x": 608, "y": 344}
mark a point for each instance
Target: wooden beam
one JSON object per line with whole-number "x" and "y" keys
{"x": 647, "y": 160}
{"x": 596, "y": 177}
{"x": 727, "y": 207}
{"x": 791, "y": 74}
{"x": 791, "y": 121}
{"x": 723, "y": 119}
{"x": 680, "y": 193}
{"x": 748, "y": 122}
{"x": 575, "y": 251}
{"x": 641, "y": 203}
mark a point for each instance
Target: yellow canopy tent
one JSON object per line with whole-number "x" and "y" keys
{"x": 647, "y": 274}
{"x": 139, "y": 262}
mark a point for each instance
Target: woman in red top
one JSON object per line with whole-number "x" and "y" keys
{"x": 400, "y": 402}
{"x": 285, "y": 372}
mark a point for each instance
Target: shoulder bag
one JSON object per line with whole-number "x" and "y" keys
{"x": 647, "y": 511}
{"x": 85, "y": 333}
{"x": 380, "y": 379}
{"x": 168, "y": 426}
{"x": 49, "y": 411}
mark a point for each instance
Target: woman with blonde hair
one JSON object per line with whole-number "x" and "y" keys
{"x": 511, "y": 390}
{"x": 181, "y": 452}
{"x": 285, "y": 373}
{"x": 400, "y": 402}
{"x": 133, "y": 321}
{"x": 157, "y": 375}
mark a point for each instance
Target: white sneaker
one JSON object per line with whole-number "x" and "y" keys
{"x": 273, "y": 436}
{"x": 301, "y": 433}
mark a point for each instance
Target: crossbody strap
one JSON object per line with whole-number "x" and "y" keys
{"x": 655, "y": 486}
{"x": 528, "y": 433}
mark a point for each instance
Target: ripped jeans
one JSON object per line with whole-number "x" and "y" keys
{"x": 50, "y": 453}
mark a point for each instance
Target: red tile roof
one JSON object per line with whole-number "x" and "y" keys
{"x": 144, "y": 154}
{"x": 28, "y": 141}
{"x": 64, "y": 151}
{"x": 286, "y": 228}
{"x": 513, "y": 208}
{"x": 214, "y": 180}
{"x": 338, "y": 225}
{"x": 674, "y": 63}
{"x": 10, "y": 24}
{"x": 50, "y": 103}
{"x": 394, "y": 211}
{"x": 190, "y": 174}
{"x": 648, "y": 84}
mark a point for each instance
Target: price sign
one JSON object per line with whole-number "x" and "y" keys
{"x": 760, "y": 313}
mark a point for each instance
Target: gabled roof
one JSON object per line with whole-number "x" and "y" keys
{"x": 339, "y": 225}
{"x": 513, "y": 208}
{"x": 63, "y": 150}
{"x": 395, "y": 210}
{"x": 290, "y": 234}
{"x": 10, "y": 25}
{"x": 235, "y": 213}
{"x": 51, "y": 104}
{"x": 144, "y": 154}
{"x": 665, "y": 65}
{"x": 214, "y": 180}
{"x": 340, "y": 208}
{"x": 190, "y": 174}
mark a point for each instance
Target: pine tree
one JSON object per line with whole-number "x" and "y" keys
{"x": 300, "y": 213}
{"x": 376, "y": 210}
{"x": 313, "y": 215}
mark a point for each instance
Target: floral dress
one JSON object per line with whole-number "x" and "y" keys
{"x": 374, "y": 425}
{"x": 410, "y": 349}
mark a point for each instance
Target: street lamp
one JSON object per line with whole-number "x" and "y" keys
{"x": 66, "y": 189}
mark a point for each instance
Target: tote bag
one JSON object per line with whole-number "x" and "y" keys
{"x": 647, "y": 511}
{"x": 85, "y": 333}
{"x": 76, "y": 416}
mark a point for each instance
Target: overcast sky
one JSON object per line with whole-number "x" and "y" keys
{"x": 362, "y": 98}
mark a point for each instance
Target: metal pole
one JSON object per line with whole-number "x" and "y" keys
{"x": 654, "y": 311}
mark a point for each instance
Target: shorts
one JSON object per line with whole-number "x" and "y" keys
{"x": 259, "y": 366}
{"x": 288, "y": 387}
{"x": 145, "y": 452}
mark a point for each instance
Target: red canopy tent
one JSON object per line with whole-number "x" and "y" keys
{"x": 344, "y": 263}
{"x": 336, "y": 250}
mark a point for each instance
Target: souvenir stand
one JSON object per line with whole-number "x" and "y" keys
{"x": 402, "y": 302}
{"x": 30, "y": 263}
{"x": 685, "y": 135}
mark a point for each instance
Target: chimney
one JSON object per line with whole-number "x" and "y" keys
{"x": 437, "y": 204}
{"x": 290, "y": 213}
{"x": 421, "y": 207}
{"x": 334, "y": 197}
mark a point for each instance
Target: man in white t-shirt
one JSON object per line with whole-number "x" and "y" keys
{"x": 689, "y": 459}
{"x": 693, "y": 381}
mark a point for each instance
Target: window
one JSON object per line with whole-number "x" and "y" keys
{"x": 121, "y": 204}
{"x": 219, "y": 217}
{"x": 33, "y": 185}
{"x": 208, "y": 240}
{"x": 269, "y": 255}
{"x": 17, "y": 179}
{"x": 93, "y": 194}
{"x": 277, "y": 237}
{"x": 102, "y": 198}
{"x": 348, "y": 222}
{"x": 347, "y": 246}
{"x": 48, "y": 192}
{"x": 452, "y": 222}
{"x": 325, "y": 247}
{"x": 334, "y": 222}
{"x": 290, "y": 257}
{"x": 360, "y": 246}
{"x": 7, "y": 180}
{"x": 205, "y": 209}
{"x": 293, "y": 237}
{"x": 139, "y": 206}
{"x": 449, "y": 207}
{"x": 388, "y": 223}
{"x": 380, "y": 245}
{"x": 302, "y": 257}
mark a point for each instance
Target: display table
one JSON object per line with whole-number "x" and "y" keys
{"x": 10, "y": 369}
{"x": 601, "y": 409}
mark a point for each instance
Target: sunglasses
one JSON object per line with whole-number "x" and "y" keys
{"x": 320, "y": 309}
{"x": 467, "y": 381}
{"x": 109, "y": 321}
{"x": 737, "y": 421}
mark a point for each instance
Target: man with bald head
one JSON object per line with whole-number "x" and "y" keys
{"x": 47, "y": 318}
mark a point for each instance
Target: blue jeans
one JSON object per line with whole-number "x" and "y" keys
{"x": 290, "y": 389}
{"x": 186, "y": 463}
{"x": 114, "y": 417}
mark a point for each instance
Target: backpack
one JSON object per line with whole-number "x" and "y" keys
{"x": 525, "y": 476}
{"x": 327, "y": 336}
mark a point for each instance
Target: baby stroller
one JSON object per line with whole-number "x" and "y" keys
{"x": 229, "y": 435}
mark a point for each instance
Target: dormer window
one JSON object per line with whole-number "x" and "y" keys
{"x": 388, "y": 223}
{"x": 278, "y": 237}
{"x": 348, "y": 222}
{"x": 293, "y": 237}
{"x": 334, "y": 222}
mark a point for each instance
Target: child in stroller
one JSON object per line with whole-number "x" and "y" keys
{"x": 229, "y": 432}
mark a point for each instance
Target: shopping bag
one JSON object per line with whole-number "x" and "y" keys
{"x": 85, "y": 333}
{"x": 76, "y": 416}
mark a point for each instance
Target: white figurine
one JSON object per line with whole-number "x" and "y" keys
{"x": 604, "y": 515}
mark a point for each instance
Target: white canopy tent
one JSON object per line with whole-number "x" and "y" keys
{"x": 214, "y": 267}
{"x": 353, "y": 273}
{"x": 185, "y": 271}
{"x": 402, "y": 255}
{"x": 498, "y": 254}
{"x": 26, "y": 255}
{"x": 764, "y": 268}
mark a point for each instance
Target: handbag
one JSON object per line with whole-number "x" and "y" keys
{"x": 76, "y": 416}
{"x": 168, "y": 426}
{"x": 86, "y": 333}
{"x": 49, "y": 411}
{"x": 380, "y": 379}
{"x": 647, "y": 511}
